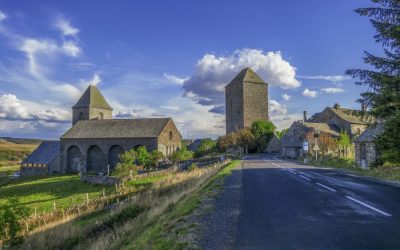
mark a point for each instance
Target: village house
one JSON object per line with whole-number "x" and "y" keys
{"x": 327, "y": 124}
{"x": 365, "y": 148}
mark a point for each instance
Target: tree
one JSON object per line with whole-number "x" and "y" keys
{"x": 262, "y": 131}
{"x": 206, "y": 147}
{"x": 344, "y": 142}
{"x": 10, "y": 222}
{"x": 181, "y": 155}
{"x": 245, "y": 139}
{"x": 126, "y": 163}
{"x": 142, "y": 156}
{"x": 154, "y": 157}
{"x": 382, "y": 98}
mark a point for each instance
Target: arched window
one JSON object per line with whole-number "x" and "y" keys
{"x": 170, "y": 135}
{"x": 101, "y": 116}
{"x": 358, "y": 131}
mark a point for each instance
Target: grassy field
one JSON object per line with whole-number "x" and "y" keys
{"x": 42, "y": 192}
{"x": 143, "y": 220}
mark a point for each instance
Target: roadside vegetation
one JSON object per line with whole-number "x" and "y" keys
{"x": 389, "y": 172}
{"x": 139, "y": 221}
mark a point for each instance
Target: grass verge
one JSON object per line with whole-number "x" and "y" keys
{"x": 381, "y": 172}
{"x": 169, "y": 231}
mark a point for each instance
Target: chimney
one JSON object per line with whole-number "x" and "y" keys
{"x": 304, "y": 116}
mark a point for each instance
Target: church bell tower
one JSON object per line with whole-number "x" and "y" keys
{"x": 91, "y": 106}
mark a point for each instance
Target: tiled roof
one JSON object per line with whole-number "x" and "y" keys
{"x": 247, "y": 75}
{"x": 323, "y": 127}
{"x": 45, "y": 153}
{"x": 291, "y": 141}
{"x": 92, "y": 98}
{"x": 117, "y": 128}
{"x": 371, "y": 133}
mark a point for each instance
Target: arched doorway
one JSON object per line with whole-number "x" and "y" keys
{"x": 74, "y": 159}
{"x": 113, "y": 156}
{"x": 95, "y": 160}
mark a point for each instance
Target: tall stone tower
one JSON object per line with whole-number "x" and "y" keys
{"x": 246, "y": 100}
{"x": 91, "y": 106}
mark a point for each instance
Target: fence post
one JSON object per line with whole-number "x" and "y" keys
{"x": 54, "y": 206}
{"x": 116, "y": 187}
{"x": 35, "y": 212}
{"x": 87, "y": 197}
{"x": 104, "y": 192}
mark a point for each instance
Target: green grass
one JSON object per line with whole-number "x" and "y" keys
{"x": 381, "y": 172}
{"x": 7, "y": 169}
{"x": 145, "y": 182}
{"x": 155, "y": 235}
{"x": 42, "y": 192}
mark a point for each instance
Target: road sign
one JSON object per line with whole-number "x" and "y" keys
{"x": 305, "y": 145}
{"x": 316, "y": 147}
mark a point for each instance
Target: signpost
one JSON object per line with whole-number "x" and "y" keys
{"x": 316, "y": 147}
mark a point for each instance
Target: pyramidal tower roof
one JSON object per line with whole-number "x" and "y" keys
{"x": 247, "y": 75}
{"x": 92, "y": 98}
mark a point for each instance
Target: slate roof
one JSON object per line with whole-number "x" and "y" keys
{"x": 117, "y": 128}
{"x": 323, "y": 127}
{"x": 371, "y": 133}
{"x": 92, "y": 98}
{"x": 45, "y": 153}
{"x": 350, "y": 115}
{"x": 247, "y": 75}
{"x": 291, "y": 141}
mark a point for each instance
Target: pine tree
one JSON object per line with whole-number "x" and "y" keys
{"x": 382, "y": 98}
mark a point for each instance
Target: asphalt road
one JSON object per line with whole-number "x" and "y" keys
{"x": 284, "y": 205}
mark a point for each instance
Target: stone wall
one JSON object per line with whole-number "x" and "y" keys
{"x": 234, "y": 107}
{"x": 255, "y": 103}
{"x": 169, "y": 143}
{"x": 370, "y": 154}
{"x": 90, "y": 114}
{"x": 99, "y": 180}
{"x": 104, "y": 145}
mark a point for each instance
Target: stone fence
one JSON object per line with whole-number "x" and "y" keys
{"x": 100, "y": 180}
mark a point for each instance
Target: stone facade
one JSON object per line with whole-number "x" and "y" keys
{"x": 365, "y": 148}
{"x": 90, "y": 114}
{"x": 246, "y": 100}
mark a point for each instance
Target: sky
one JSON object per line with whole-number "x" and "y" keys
{"x": 173, "y": 58}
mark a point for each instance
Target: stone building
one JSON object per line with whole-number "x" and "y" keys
{"x": 45, "y": 159}
{"x": 300, "y": 132}
{"x": 348, "y": 120}
{"x": 365, "y": 149}
{"x": 95, "y": 140}
{"x": 246, "y": 100}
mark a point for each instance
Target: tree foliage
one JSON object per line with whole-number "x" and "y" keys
{"x": 142, "y": 156}
{"x": 382, "y": 97}
{"x": 280, "y": 134}
{"x": 262, "y": 131}
{"x": 154, "y": 157}
{"x": 183, "y": 154}
{"x": 11, "y": 215}
{"x": 207, "y": 146}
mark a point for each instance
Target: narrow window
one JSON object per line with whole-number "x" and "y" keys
{"x": 170, "y": 135}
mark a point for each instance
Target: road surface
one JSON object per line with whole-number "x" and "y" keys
{"x": 269, "y": 203}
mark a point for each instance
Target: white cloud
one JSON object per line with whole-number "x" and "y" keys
{"x": 169, "y": 107}
{"x": 212, "y": 73}
{"x": 3, "y": 16}
{"x": 66, "y": 28}
{"x": 332, "y": 90}
{"x": 332, "y": 78}
{"x": 70, "y": 48}
{"x": 279, "y": 115}
{"x": 276, "y": 109}
{"x": 175, "y": 79}
{"x": 12, "y": 108}
{"x": 310, "y": 93}
{"x": 286, "y": 97}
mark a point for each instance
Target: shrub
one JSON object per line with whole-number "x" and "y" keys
{"x": 126, "y": 163}
{"x": 154, "y": 157}
{"x": 142, "y": 156}
{"x": 207, "y": 146}
{"x": 181, "y": 155}
{"x": 10, "y": 216}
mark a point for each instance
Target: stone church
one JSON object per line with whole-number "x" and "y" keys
{"x": 95, "y": 140}
{"x": 246, "y": 100}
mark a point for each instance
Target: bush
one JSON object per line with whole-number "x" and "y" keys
{"x": 181, "y": 155}
{"x": 142, "y": 156}
{"x": 154, "y": 157}
{"x": 10, "y": 216}
{"x": 126, "y": 163}
{"x": 207, "y": 146}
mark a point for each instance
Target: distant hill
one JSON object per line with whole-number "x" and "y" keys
{"x": 21, "y": 140}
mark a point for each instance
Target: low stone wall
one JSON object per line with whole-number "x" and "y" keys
{"x": 99, "y": 180}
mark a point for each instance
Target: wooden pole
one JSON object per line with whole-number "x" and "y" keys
{"x": 87, "y": 197}
{"x": 54, "y": 206}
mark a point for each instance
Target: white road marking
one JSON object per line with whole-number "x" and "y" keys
{"x": 302, "y": 176}
{"x": 291, "y": 171}
{"x": 326, "y": 187}
{"x": 368, "y": 206}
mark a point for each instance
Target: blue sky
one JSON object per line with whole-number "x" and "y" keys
{"x": 172, "y": 58}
